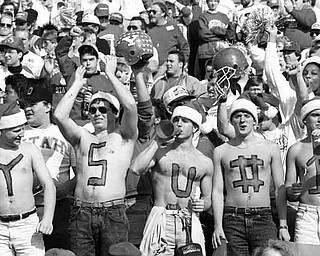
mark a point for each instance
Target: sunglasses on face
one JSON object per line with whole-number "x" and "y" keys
{"x": 7, "y": 25}
{"x": 315, "y": 33}
{"x": 102, "y": 110}
{"x": 132, "y": 28}
{"x": 152, "y": 12}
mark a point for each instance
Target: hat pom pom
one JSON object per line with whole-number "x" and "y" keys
{"x": 207, "y": 126}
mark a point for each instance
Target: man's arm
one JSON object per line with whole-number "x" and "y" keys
{"x": 129, "y": 119}
{"x": 217, "y": 198}
{"x": 224, "y": 126}
{"x": 70, "y": 130}
{"x": 293, "y": 188}
{"x": 145, "y": 160}
{"x": 280, "y": 191}
{"x": 39, "y": 167}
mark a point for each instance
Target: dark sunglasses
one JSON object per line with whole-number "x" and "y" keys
{"x": 152, "y": 12}
{"x": 315, "y": 33}
{"x": 132, "y": 28}
{"x": 102, "y": 110}
{"x": 20, "y": 23}
{"x": 5, "y": 25}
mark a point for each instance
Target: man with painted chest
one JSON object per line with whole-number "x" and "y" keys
{"x": 98, "y": 217}
{"x": 243, "y": 168}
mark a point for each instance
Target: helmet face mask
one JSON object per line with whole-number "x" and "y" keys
{"x": 134, "y": 46}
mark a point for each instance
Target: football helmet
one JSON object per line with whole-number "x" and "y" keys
{"x": 228, "y": 63}
{"x": 134, "y": 46}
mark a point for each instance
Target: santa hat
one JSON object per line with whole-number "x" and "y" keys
{"x": 244, "y": 105}
{"x": 11, "y": 116}
{"x": 310, "y": 106}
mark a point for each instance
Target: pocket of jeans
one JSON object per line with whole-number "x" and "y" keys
{"x": 74, "y": 212}
{"x": 300, "y": 214}
{"x": 117, "y": 214}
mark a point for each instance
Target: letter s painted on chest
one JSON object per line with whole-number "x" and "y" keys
{"x": 174, "y": 181}
{"x": 95, "y": 181}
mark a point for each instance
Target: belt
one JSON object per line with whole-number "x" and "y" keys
{"x": 247, "y": 211}
{"x": 98, "y": 204}
{"x": 8, "y": 218}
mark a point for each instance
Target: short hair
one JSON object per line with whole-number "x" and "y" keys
{"x": 143, "y": 22}
{"x": 180, "y": 55}
{"x": 19, "y": 84}
{"x": 275, "y": 245}
{"x": 254, "y": 81}
{"x": 15, "y": 7}
{"x": 88, "y": 49}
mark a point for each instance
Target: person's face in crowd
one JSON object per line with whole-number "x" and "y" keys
{"x": 36, "y": 112}
{"x": 315, "y": 34}
{"x": 47, "y": 4}
{"x": 24, "y": 36}
{"x": 104, "y": 22}
{"x": 256, "y": 89}
{"x": 311, "y": 76}
{"x": 90, "y": 62}
{"x": 170, "y": 13}
{"x": 184, "y": 127}
{"x": 245, "y": 3}
{"x": 48, "y": 45}
{"x": 95, "y": 27}
{"x": 11, "y": 95}
{"x": 91, "y": 39}
{"x": 99, "y": 111}
{"x": 173, "y": 65}
{"x": 77, "y": 41}
{"x": 155, "y": 14}
{"x": 264, "y": 123}
{"x": 12, "y": 137}
{"x": 123, "y": 74}
{"x": 12, "y": 57}
{"x": 243, "y": 122}
{"x": 5, "y": 25}
{"x": 21, "y": 24}
{"x": 312, "y": 120}
{"x": 8, "y": 8}
{"x": 134, "y": 25}
{"x": 212, "y": 4}
{"x": 315, "y": 49}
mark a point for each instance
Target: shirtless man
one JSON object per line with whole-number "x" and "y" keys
{"x": 180, "y": 174}
{"x": 98, "y": 215}
{"x": 304, "y": 166}
{"x": 20, "y": 229}
{"x": 244, "y": 167}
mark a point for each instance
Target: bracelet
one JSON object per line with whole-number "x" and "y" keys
{"x": 283, "y": 227}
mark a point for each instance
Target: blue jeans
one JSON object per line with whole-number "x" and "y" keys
{"x": 94, "y": 229}
{"x": 247, "y": 231}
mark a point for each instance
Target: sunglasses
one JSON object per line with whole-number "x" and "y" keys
{"x": 315, "y": 33}
{"x": 152, "y": 12}
{"x": 102, "y": 110}
{"x": 20, "y": 23}
{"x": 132, "y": 28}
{"x": 7, "y": 25}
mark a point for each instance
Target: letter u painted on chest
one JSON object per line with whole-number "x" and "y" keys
{"x": 191, "y": 175}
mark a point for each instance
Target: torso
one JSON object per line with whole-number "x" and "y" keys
{"x": 102, "y": 164}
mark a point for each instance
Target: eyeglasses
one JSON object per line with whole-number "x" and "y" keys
{"x": 132, "y": 28}
{"x": 20, "y": 23}
{"x": 93, "y": 110}
{"x": 152, "y": 12}
{"x": 315, "y": 33}
{"x": 7, "y": 25}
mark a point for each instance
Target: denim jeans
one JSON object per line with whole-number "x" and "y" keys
{"x": 94, "y": 229}
{"x": 19, "y": 237}
{"x": 137, "y": 212}
{"x": 246, "y": 232}
{"x": 308, "y": 224}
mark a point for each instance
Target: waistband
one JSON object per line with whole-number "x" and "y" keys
{"x": 8, "y": 218}
{"x": 105, "y": 204}
{"x": 308, "y": 207}
{"x": 247, "y": 211}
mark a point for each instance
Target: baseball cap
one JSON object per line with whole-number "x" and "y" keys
{"x": 32, "y": 15}
{"x": 90, "y": 19}
{"x": 116, "y": 16}
{"x": 101, "y": 10}
{"x": 291, "y": 47}
{"x": 22, "y": 16}
{"x": 273, "y": 3}
{"x": 14, "y": 43}
{"x": 108, "y": 97}
{"x": 315, "y": 26}
{"x": 38, "y": 93}
{"x": 174, "y": 94}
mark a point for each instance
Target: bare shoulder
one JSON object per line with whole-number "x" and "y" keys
{"x": 29, "y": 148}
{"x": 296, "y": 148}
